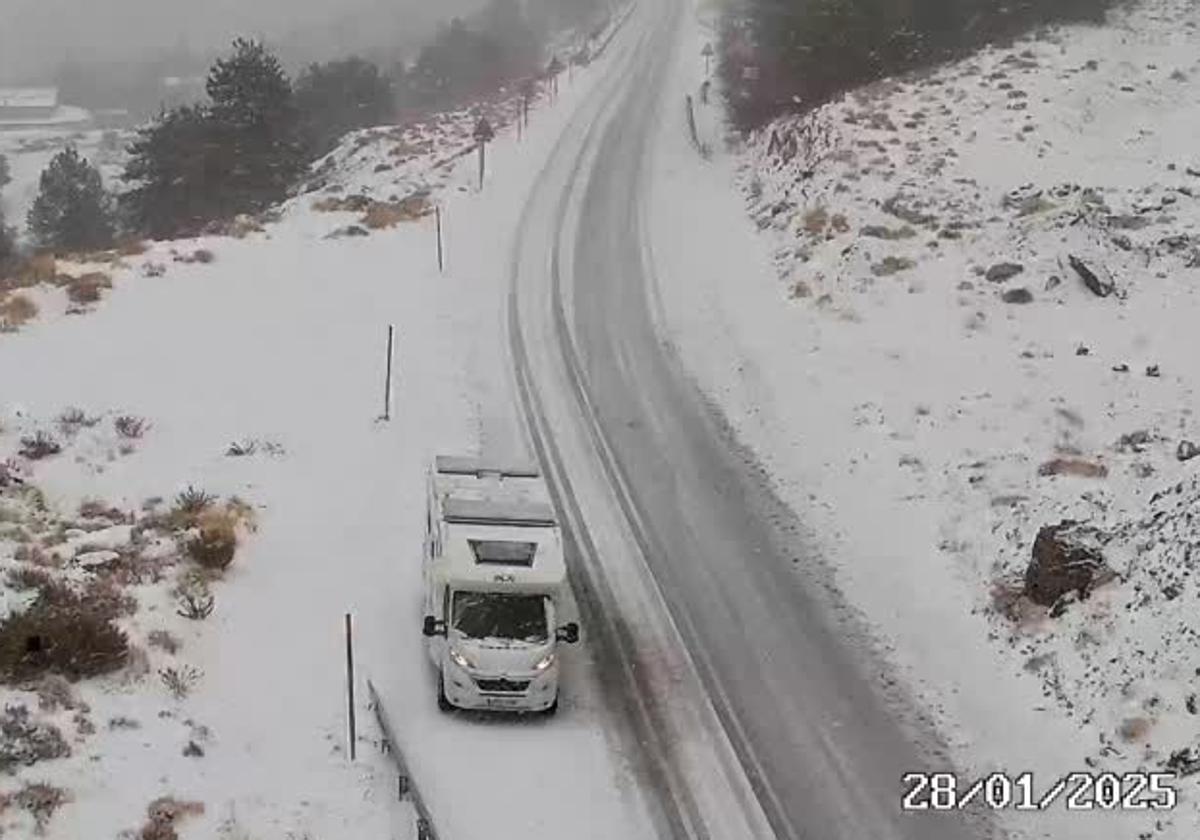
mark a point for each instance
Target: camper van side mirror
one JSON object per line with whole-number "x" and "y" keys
{"x": 568, "y": 633}
{"x": 433, "y": 627}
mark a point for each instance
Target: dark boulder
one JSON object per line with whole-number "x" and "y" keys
{"x": 1066, "y": 560}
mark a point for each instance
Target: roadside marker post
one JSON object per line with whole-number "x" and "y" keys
{"x": 387, "y": 385}
{"x": 437, "y": 211}
{"x": 350, "y": 688}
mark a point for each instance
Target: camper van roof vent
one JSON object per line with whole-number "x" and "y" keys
{"x": 496, "y": 512}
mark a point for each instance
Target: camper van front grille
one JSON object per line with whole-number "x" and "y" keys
{"x": 501, "y": 684}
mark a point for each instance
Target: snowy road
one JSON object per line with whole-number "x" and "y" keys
{"x": 739, "y": 677}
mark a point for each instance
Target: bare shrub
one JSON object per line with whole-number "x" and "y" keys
{"x": 162, "y": 816}
{"x": 241, "y": 449}
{"x": 194, "y": 605}
{"x": 40, "y": 268}
{"x": 41, "y": 801}
{"x": 216, "y": 543}
{"x": 164, "y": 641}
{"x": 55, "y": 692}
{"x": 130, "y": 427}
{"x": 816, "y": 220}
{"x": 123, "y": 722}
{"x": 73, "y": 419}
{"x": 1076, "y": 467}
{"x": 87, "y": 288}
{"x": 202, "y": 255}
{"x": 180, "y": 681}
{"x": 153, "y": 269}
{"x": 380, "y": 215}
{"x": 24, "y": 743}
{"x": 193, "y": 500}
{"x": 130, "y": 247}
{"x": 39, "y": 445}
{"x": 16, "y": 311}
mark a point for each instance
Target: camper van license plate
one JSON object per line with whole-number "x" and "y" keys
{"x": 502, "y": 702}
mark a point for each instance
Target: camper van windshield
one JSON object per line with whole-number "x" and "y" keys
{"x": 484, "y": 615}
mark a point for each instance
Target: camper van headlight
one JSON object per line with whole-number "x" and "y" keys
{"x": 545, "y": 662}
{"x": 460, "y": 658}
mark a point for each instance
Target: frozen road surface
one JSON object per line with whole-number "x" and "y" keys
{"x": 757, "y": 712}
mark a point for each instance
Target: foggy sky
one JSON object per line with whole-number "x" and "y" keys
{"x": 36, "y": 34}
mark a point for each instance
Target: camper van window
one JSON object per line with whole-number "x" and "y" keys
{"x": 504, "y": 552}
{"x": 488, "y": 615}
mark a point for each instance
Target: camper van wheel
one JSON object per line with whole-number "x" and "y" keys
{"x": 552, "y": 708}
{"x": 443, "y": 701}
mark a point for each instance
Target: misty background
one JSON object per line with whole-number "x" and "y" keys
{"x": 38, "y": 36}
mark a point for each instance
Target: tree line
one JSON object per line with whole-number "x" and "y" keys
{"x": 780, "y": 55}
{"x": 251, "y": 141}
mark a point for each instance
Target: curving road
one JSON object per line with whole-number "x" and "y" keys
{"x": 749, "y": 698}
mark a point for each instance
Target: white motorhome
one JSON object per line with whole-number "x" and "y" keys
{"x": 495, "y": 586}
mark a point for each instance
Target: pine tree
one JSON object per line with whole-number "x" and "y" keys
{"x": 177, "y": 168}
{"x": 338, "y": 97}
{"x": 72, "y": 211}
{"x": 8, "y": 242}
{"x": 257, "y": 123}
{"x": 5, "y": 174}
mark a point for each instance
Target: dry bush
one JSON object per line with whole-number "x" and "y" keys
{"x": 24, "y": 742}
{"x": 195, "y": 606}
{"x": 1135, "y": 729}
{"x": 62, "y": 633}
{"x": 87, "y": 288}
{"x": 162, "y": 816}
{"x": 816, "y": 220}
{"x": 241, "y": 448}
{"x": 73, "y": 419}
{"x": 343, "y": 204}
{"x": 164, "y": 641}
{"x": 130, "y": 427}
{"x": 39, "y": 445}
{"x": 40, "y": 268}
{"x": 216, "y": 543}
{"x": 1077, "y": 467}
{"x": 55, "y": 692}
{"x": 180, "y": 681}
{"x": 153, "y": 269}
{"x": 381, "y": 215}
{"x": 41, "y": 801}
{"x": 97, "y": 509}
{"x": 201, "y": 255}
{"x": 16, "y": 311}
{"x": 131, "y": 247}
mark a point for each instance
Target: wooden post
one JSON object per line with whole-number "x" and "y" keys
{"x": 350, "y": 684}
{"x": 437, "y": 211}
{"x": 482, "y": 147}
{"x": 387, "y": 385}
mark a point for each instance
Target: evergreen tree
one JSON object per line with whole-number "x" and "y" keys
{"x": 338, "y": 97}
{"x": 8, "y": 242}
{"x": 177, "y": 167}
{"x": 72, "y": 211}
{"x": 257, "y": 124}
{"x": 5, "y": 174}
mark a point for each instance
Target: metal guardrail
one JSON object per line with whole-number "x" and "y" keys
{"x": 407, "y": 784}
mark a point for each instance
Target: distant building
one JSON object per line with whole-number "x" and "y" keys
{"x": 28, "y": 104}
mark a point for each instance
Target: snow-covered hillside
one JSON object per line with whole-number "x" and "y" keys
{"x": 930, "y": 381}
{"x": 250, "y": 367}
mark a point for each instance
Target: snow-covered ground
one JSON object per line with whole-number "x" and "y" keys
{"x": 909, "y": 407}
{"x": 258, "y": 365}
